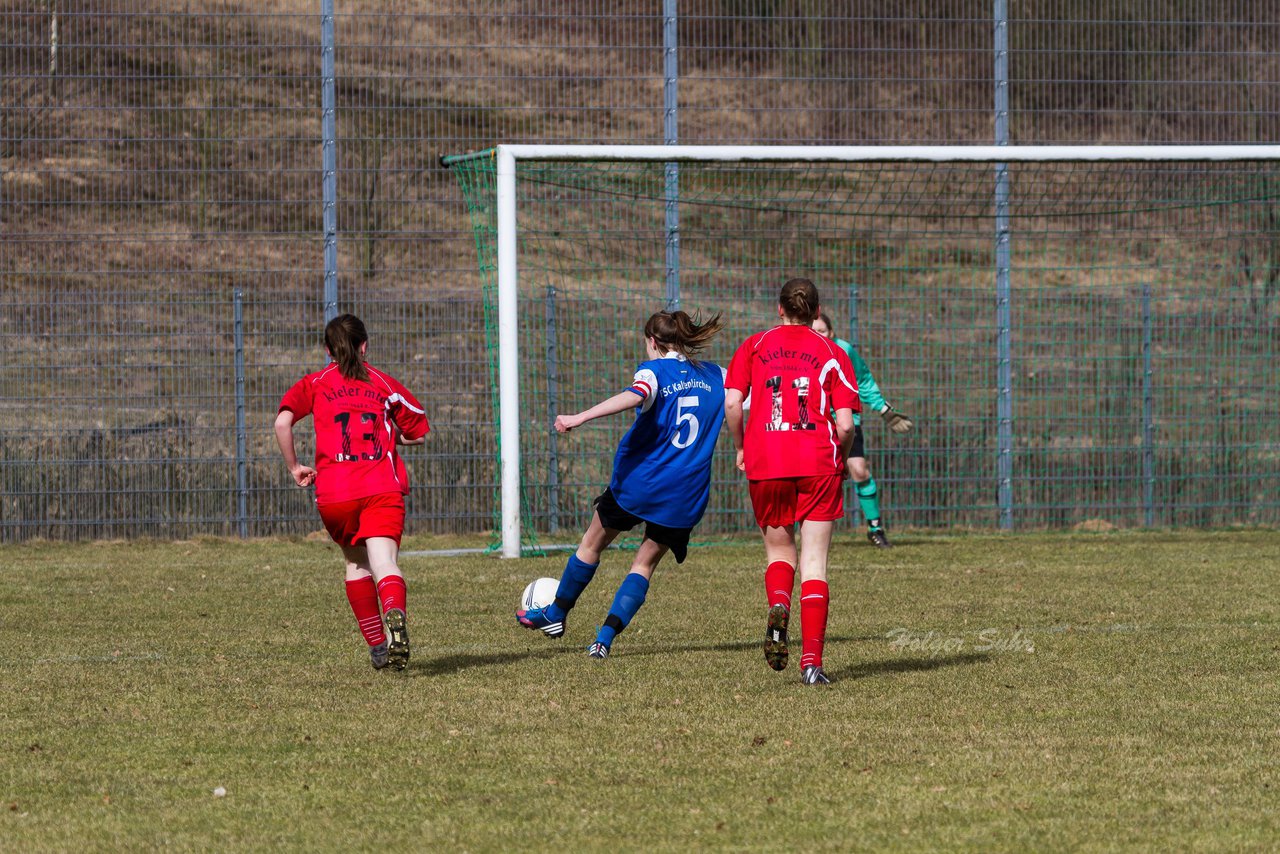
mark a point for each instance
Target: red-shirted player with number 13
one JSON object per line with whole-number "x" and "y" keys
{"x": 803, "y": 394}
{"x": 360, "y": 415}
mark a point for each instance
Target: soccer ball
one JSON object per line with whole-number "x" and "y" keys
{"x": 540, "y": 593}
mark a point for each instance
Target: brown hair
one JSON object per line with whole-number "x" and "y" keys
{"x": 343, "y": 336}
{"x": 799, "y": 300}
{"x": 676, "y": 330}
{"x": 826, "y": 318}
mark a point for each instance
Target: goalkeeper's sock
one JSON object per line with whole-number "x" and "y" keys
{"x": 575, "y": 578}
{"x": 626, "y": 602}
{"x": 363, "y": 596}
{"x": 868, "y": 498}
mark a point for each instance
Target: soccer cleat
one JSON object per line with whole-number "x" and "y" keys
{"x": 378, "y": 656}
{"x": 598, "y": 651}
{"x": 536, "y": 618}
{"x": 813, "y": 675}
{"x": 397, "y": 639}
{"x": 879, "y": 539}
{"x": 775, "y": 637}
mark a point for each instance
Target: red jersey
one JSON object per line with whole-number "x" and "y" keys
{"x": 794, "y": 378}
{"x": 355, "y": 425}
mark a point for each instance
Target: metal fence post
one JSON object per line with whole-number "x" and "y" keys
{"x": 329, "y": 159}
{"x": 1148, "y": 427}
{"x": 1004, "y": 365}
{"x": 853, "y": 314}
{"x": 671, "y": 136}
{"x": 242, "y": 453}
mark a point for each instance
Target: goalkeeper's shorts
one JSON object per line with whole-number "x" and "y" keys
{"x": 857, "y": 450}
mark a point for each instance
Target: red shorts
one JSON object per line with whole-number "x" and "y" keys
{"x": 350, "y": 523}
{"x": 780, "y": 502}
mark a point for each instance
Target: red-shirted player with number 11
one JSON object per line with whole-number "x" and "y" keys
{"x": 360, "y": 415}
{"x": 803, "y": 395}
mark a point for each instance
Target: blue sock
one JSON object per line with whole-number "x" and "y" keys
{"x": 577, "y": 575}
{"x": 626, "y": 602}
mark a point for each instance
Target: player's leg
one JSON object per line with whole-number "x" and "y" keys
{"x": 581, "y": 567}
{"x": 342, "y": 521}
{"x": 815, "y": 597}
{"x": 381, "y": 526}
{"x": 869, "y": 500}
{"x": 384, "y": 564}
{"x": 865, "y": 486}
{"x": 630, "y": 595}
{"x": 821, "y": 504}
{"x": 607, "y": 522}
{"x": 658, "y": 540}
{"x": 779, "y": 581}
{"x": 774, "y": 503}
{"x": 362, "y": 595}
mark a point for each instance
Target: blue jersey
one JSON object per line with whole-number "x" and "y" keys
{"x": 662, "y": 471}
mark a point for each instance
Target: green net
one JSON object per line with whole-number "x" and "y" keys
{"x": 1141, "y": 343}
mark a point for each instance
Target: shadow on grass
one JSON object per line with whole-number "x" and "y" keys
{"x": 739, "y": 646}
{"x": 453, "y": 663}
{"x": 890, "y": 666}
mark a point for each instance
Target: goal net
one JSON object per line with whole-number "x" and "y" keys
{"x": 1085, "y": 337}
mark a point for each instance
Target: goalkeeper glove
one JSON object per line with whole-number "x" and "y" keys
{"x": 897, "y": 422}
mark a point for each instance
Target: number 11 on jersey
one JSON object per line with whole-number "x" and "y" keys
{"x": 803, "y": 421}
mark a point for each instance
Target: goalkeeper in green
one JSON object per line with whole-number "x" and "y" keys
{"x": 856, "y": 464}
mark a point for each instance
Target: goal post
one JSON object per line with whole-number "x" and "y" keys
{"x": 1177, "y": 201}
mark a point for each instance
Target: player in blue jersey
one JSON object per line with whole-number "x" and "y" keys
{"x": 661, "y": 472}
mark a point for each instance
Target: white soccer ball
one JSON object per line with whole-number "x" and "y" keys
{"x": 540, "y": 593}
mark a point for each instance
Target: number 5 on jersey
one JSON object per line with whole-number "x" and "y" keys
{"x": 682, "y": 418}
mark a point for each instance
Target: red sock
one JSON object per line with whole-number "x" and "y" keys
{"x": 779, "y": 578}
{"x": 391, "y": 591}
{"x": 363, "y": 597}
{"x": 814, "y": 598}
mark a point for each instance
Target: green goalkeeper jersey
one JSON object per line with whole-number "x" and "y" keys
{"x": 872, "y": 399}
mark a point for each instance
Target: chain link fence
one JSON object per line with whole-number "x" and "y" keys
{"x": 162, "y": 211}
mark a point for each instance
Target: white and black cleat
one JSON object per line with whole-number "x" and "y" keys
{"x": 813, "y": 675}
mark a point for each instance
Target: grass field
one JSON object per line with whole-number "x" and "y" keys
{"x": 1060, "y": 692}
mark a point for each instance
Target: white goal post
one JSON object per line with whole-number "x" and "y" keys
{"x": 508, "y": 158}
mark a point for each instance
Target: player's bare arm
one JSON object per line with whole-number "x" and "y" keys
{"x": 620, "y": 402}
{"x": 303, "y": 475}
{"x": 733, "y": 417}
{"x": 844, "y": 430}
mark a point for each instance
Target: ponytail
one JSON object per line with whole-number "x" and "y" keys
{"x": 676, "y": 330}
{"x": 343, "y": 336}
